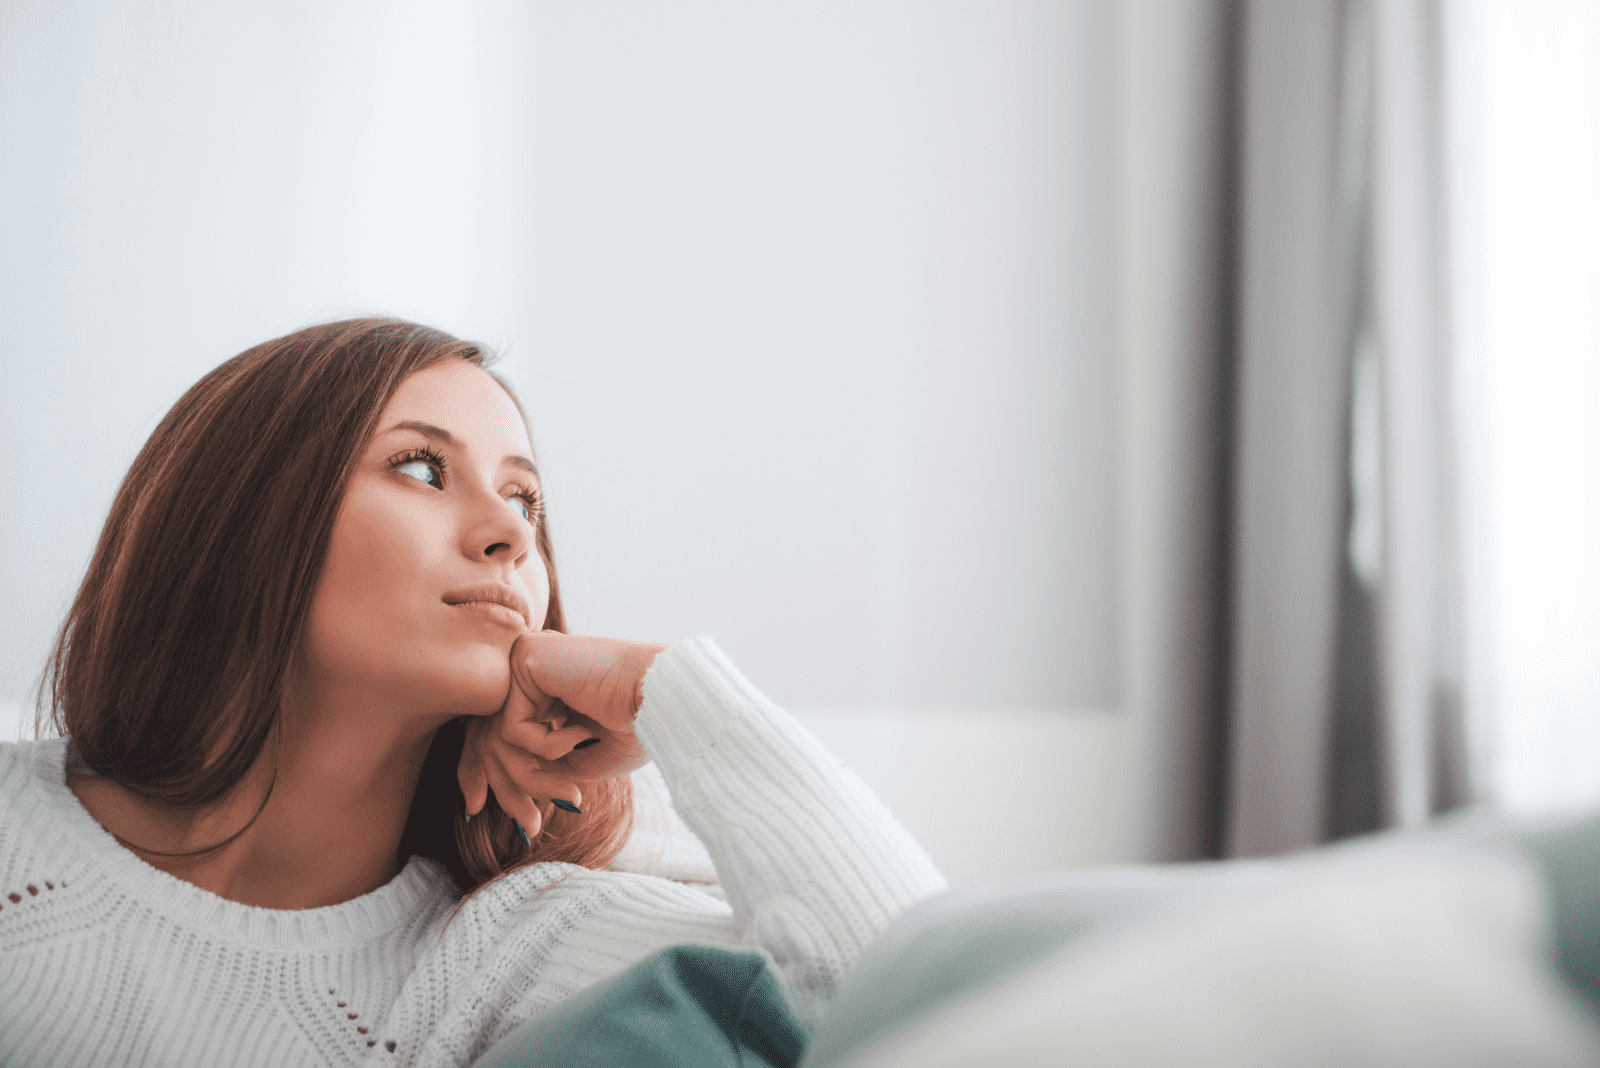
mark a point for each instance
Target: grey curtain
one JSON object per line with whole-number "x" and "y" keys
{"x": 1296, "y": 644}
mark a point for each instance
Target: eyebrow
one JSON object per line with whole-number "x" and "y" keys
{"x": 439, "y": 433}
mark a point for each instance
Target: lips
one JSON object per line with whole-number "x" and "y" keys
{"x": 492, "y": 593}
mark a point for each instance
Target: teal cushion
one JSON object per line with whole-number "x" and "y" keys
{"x": 1568, "y": 858}
{"x": 684, "y": 1007}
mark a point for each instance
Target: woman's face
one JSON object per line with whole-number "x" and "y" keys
{"x": 432, "y": 572}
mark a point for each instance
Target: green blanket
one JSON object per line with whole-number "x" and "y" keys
{"x": 684, "y": 1007}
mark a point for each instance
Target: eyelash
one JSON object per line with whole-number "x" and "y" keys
{"x": 427, "y": 455}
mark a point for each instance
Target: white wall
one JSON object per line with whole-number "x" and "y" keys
{"x": 820, "y": 341}
{"x": 1042, "y": 790}
{"x": 811, "y": 306}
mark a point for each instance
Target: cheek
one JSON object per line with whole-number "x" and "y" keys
{"x": 359, "y": 614}
{"x": 370, "y": 578}
{"x": 537, "y": 581}
{"x": 377, "y": 620}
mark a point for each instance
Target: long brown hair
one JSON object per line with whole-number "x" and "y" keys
{"x": 169, "y": 672}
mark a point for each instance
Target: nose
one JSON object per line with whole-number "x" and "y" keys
{"x": 497, "y": 532}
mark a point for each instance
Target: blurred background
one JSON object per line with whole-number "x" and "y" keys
{"x": 1123, "y": 429}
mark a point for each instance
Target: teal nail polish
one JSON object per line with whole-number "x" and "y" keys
{"x": 566, "y": 806}
{"x": 522, "y": 834}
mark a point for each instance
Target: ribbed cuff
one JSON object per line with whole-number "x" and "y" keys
{"x": 691, "y": 694}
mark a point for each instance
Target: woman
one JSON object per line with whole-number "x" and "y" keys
{"x": 316, "y": 687}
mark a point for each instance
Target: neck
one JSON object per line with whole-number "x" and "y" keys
{"x": 333, "y": 795}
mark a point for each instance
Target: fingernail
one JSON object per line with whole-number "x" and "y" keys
{"x": 586, "y": 743}
{"x": 522, "y": 834}
{"x": 566, "y": 806}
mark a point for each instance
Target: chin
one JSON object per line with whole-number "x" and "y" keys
{"x": 474, "y": 683}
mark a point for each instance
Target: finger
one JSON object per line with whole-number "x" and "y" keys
{"x": 525, "y": 653}
{"x": 543, "y": 786}
{"x": 539, "y": 739}
{"x": 513, "y": 801}
{"x": 470, "y": 773}
{"x": 600, "y": 677}
{"x": 532, "y": 825}
{"x": 532, "y": 789}
{"x": 546, "y": 810}
{"x": 563, "y": 671}
{"x": 522, "y": 705}
{"x": 569, "y": 798}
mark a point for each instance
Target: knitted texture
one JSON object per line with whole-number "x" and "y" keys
{"x": 107, "y": 960}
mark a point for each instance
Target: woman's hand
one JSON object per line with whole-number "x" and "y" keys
{"x": 568, "y": 719}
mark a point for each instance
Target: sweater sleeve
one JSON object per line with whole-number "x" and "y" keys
{"x": 813, "y": 863}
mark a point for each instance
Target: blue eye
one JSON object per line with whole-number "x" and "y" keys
{"x": 522, "y": 507}
{"x": 420, "y": 470}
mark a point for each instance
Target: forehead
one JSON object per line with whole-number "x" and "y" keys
{"x": 463, "y": 399}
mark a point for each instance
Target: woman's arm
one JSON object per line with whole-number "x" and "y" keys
{"x": 813, "y": 863}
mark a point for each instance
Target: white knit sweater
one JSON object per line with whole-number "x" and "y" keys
{"x": 105, "y": 960}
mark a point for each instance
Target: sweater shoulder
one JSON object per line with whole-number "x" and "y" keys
{"x": 46, "y": 884}
{"x": 25, "y": 771}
